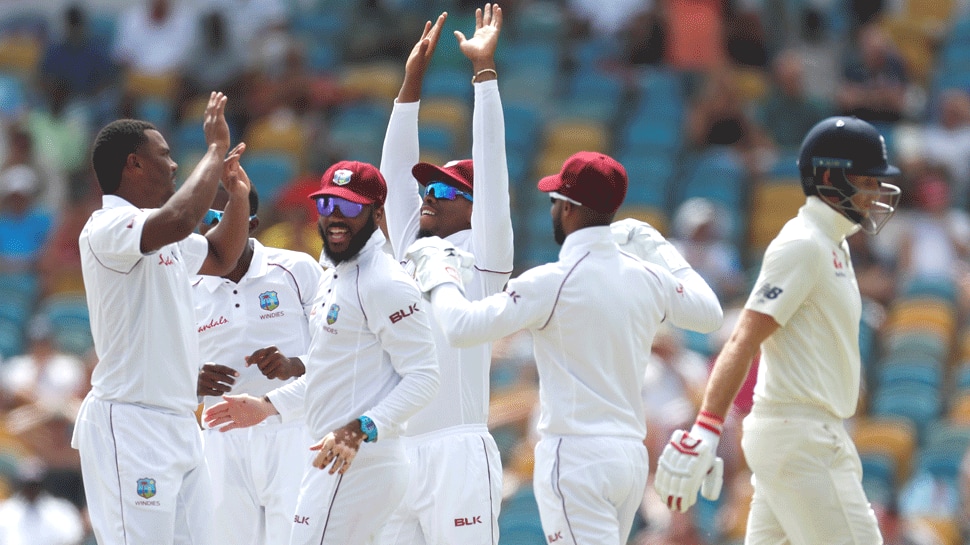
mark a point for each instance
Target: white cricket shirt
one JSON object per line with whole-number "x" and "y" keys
{"x": 808, "y": 286}
{"x": 270, "y": 306}
{"x": 593, "y": 315}
{"x": 464, "y": 394}
{"x": 371, "y": 350}
{"x": 140, "y": 307}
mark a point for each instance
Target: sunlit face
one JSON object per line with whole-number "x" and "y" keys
{"x": 158, "y": 167}
{"x": 441, "y": 217}
{"x": 344, "y": 237}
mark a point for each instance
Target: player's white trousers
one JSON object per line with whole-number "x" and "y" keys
{"x": 588, "y": 488}
{"x": 807, "y": 480}
{"x": 454, "y": 492}
{"x": 352, "y": 508}
{"x": 144, "y": 474}
{"x": 256, "y": 474}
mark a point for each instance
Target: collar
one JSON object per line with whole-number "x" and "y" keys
{"x": 836, "y": 226}
{"x": 374, "y": 244}
{"x": 585, "y": 239}
{"x": 114, "y": 201}
{"x": 459, "y": 238}
{"x": 257, "y": 268}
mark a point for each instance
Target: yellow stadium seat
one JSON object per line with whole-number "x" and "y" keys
{"x": 772, "y": 204}
{"x": 959, "y": 412}
{"x": 20, "y": 53}
{"x": 893, "y": 437}
{"x": 565, "y": 137}
{"x": 379, "y": 80}
{"x": 272, "y": 134}
{"x": 140, "y": 84}
{"x": 924, "y": 314}
{"x": 447, "y": 112}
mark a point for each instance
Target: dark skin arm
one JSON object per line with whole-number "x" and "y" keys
{"x": 215, "y": 379}
{"x": 273, "y": 364}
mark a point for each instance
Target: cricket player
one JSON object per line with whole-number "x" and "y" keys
{"x": 247, "y": 319}
{"x": 370, "y": 367}
{"x": 455, "y": 490}
{"x": 592, "y": 315}
{"x": 140, "y": 445}
{"x": 804, "y": 316}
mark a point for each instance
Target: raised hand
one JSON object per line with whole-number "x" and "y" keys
{"x": 239, "y": 411}
{"x": 214, "y": 123}
{"x": 480, "y": 48}
{"x": 234, "y": 177}
{"x": 421, "y": 53}
{"x": 339, "y": 447}
{"x": 215, "y": 379}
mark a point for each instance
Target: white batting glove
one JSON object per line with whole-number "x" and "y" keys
{"x": 642, "y": 240}
{"x": 687, "y": 465}
{"x": 436, "y": 262}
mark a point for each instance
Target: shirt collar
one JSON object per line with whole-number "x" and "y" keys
{"x": 374, "y": 244}
{"x": 114, "y": 201}
{"x": 586, "y": 239}
{"x": 836, "y": 226}
{"x": 258, "y": 267}
{"x": 459, "y": 238}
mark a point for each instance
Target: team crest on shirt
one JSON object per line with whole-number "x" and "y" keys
{"x": 332, "y": 313}
{"x": 342, "y": 177}
{"x": 268, "y": 300}
{"x": 146, "y": 487}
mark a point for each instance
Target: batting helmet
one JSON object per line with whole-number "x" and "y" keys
{"x": 848, "y": 146}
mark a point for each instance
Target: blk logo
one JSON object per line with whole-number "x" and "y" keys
{"x": 402, "y": 314}
{"x": 554, "y": 538}
{"x": 468, "y": 521}
{"x": 297, "y": 519}
{"x": 514, "y": 296}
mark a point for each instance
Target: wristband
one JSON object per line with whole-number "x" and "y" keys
{"x": 369, "y": 428}
{"x": 482, "y": 71}
{"x": 710, "y": 422}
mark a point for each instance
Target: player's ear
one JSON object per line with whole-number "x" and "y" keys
{"x": 132, "y": 161}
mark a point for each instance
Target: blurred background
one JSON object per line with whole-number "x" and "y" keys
{"x": 705, "y": 103}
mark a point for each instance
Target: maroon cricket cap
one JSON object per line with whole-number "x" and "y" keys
{"x": 457, "y": 174}
{"x": 594, "y": 180}
{"x": 355, "y": 181}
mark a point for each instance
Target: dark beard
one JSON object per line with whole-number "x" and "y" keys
{"x": 424, "y": 233}
{"x": 357, "y": 242}
{"x": 558, "y": 232}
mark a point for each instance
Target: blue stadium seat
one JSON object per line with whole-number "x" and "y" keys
{"x": 925, "y": 373}
{"x": 437, "y": 139}
{"x": 650, "y": 177}
{"x": 449, "y": 82}
{"x": 921, "y": 404}
{"x": 270, "y": 171}
{"x": 12, "y": 97}
{"x": 11, "y": 338}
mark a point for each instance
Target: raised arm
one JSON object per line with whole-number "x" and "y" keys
{"x": 401, "y": 150}
{"x": 491, "y": 216}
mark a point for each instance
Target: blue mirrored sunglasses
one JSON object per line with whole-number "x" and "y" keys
{"x": 213, "y": 217}
{"x": 348, "y": 209}
{"x": 441, "y": 190}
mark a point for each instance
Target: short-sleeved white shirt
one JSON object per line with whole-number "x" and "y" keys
{"x": 593, "y": 315}
{"x": 807, "y": 284}
{"x": 371, "y": 350}
{"x": 270, "y": 306}
{"x": 141, "y": 313}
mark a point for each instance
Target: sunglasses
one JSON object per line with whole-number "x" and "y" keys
{"x": 326, "y": 206}
{"x": 441, "y": 190}
{"x": 213, "y": 217}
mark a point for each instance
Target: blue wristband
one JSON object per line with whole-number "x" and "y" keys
{"x": 369, "y": 428}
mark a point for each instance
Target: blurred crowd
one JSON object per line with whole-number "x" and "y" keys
{"x": 704, "y": 101}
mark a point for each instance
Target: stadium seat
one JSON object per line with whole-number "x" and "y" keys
{"x": 916, "y": 345}
{"x": 772, "y": 205}
{"x": 928, "y": 373}
{"x": 270, "y": 172}
{"x": 11, "y": 338}
{"x": 650, "y": 178}
{"x": 375, "y": 80}
{"x": 893, "y": 437}
{"x": 280, "y": 134}
{"x": 13, "y": 101}
{"x": 448, "y": 112}
{"x": 439, "y": 140}
{"x": 919, "y": 403}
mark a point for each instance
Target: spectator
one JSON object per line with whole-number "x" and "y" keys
{"x": 788, "y": 112}
{"x": 701, "y": 235}
{"x": 77, "y": 61}
{"x": 44, "y": 375}
{"x": 218, "y": 60}
{"x": 875, "y": 80}
{"x": 946, "y": 142}
{"x": 33, "y": 516}
{"x": 156, "y": 37}
{"x": 60, "y": 132}
{"x": 52, "y": 187}
{"x": 24, "y": 226}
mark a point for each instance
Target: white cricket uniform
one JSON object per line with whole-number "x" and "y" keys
{"x": 140, "y": 445}
{"x": 593, "y": 315}
{"x": 256, "y": 472}
{"x": 371, "y": 353}
{"x": 455, "y": 491}
{"x": 807, "y": 471}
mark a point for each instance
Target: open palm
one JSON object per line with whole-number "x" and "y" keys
{"x": 488, "y": 25}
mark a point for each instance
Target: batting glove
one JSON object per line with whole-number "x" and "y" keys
{"x": 642, "y": 240}
{"x": 436, "y": 262}
{"x": 687, "y": 465}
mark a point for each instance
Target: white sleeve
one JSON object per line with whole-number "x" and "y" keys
{"x": 491, "y": 213}
{"x": 693, "y": 304}
{"x": 290, "y": 399}
{"x": 523, "y": 305}
{"x": 399, "y": 155}
{"x": 115, "y": 237}
{"x": 194, "y": 249}
{"x": 409, "y": 344}
{"x": 788, "y": 275}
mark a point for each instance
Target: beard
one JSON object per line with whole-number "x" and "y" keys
{"x": 357, "y": 242}
{"x": 558, "y": 233}
{"x": 424, "y": 233}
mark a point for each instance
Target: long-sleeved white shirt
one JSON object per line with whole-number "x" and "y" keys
{"x": 593, "y": 315}
{"x": 371, "y": 350}
{"x": 269, "y": 306}
{"x": 464, "y": 394}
